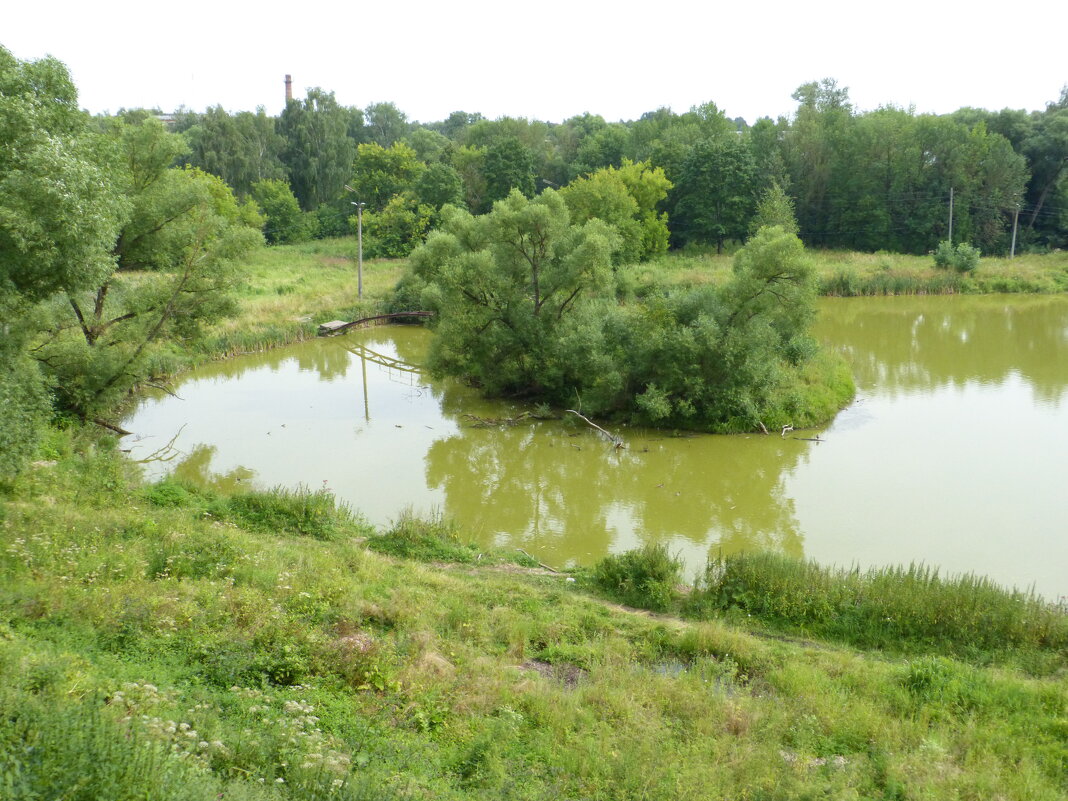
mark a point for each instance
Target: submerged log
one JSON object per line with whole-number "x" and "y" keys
{"x": 506, "y": 422}
{"x": 616, "y": 440}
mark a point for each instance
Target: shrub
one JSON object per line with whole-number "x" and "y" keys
{"x": 964, "y": 258}
{"x": 646, "y": 577}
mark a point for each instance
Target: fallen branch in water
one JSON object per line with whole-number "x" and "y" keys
{"x": 613, "y": 438}
{"x": 540, "y": 564}
{"x": 105, "y": 424}
{"x": 498, "y": 422}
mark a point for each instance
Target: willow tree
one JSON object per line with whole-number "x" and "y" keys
{"x": 59, "y": 216}
{"x": 505, "y": 282}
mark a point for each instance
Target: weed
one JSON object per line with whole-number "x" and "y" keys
{"x": 646, "y": 577}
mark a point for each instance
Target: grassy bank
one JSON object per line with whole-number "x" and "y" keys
{"x": 164, "y": 642}
{"x": 848, "y": 274}
{"x": 285, "y": 292}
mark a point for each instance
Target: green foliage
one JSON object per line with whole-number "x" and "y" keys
{"x": 508, "y": 166}
{"x": 520, "y": 314}
{"x": 775, "y": 207}
{"x": 286, "y": 223}
{"x": 187, "y": 228}
{"x": 715, "y": 192}
{"x": 429, "y": 539}
{"x": 25, "y": 405}
{"x": 242, "y": 149}
{"x": 963, "y": 258}
{"x": 712, "y": 358}
{"x": 318, "y": 151}
{"x": 381, "y": 173}
{"x": 440, "y": 185}
{"x": 60, "y": 211}
{"x": 627, "y": 198}
{"x": 396, "y": 230}
{"x": 508, "y": 278}
{"x": 646, "y": 577}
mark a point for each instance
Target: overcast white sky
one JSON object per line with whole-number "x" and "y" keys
{"x": 549, "y": 59}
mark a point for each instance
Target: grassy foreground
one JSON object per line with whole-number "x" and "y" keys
{"x": 159, "y": 642}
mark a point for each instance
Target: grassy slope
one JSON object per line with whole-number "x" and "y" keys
{"x": 313, "y": 667}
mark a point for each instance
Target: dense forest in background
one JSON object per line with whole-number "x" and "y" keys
{"x": 863, "y": 180}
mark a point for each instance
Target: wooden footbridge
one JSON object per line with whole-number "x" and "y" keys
{"x": 337, "y": 326}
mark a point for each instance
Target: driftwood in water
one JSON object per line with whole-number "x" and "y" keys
{"x": 615, "y": 439}
{"x": 506, "y": 422}
{"x": 542, "y": 565}
{"x": 122, "y": 432}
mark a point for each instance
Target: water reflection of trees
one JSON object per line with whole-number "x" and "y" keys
{"x": 565, "y": 492}
{"x": 195, "y": 469}
{"x": 926, "y": 342}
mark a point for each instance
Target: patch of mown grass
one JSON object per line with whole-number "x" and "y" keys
{"x": 272, "y": 665}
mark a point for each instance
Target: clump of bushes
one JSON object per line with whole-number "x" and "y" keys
{"x": 646, "y": 577}
{"x": 963, "y": 258}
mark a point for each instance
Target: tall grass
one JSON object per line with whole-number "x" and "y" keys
{"x": 646, "y": 577}
{"x": 893, "y": 607}
{"x": 850, "y": 274}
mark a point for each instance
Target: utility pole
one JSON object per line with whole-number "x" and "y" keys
{"x": 951, "y": 215}
{"x": 1015, "y": 219}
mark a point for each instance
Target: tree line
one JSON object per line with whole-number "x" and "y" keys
{"x": 865, "y": 180}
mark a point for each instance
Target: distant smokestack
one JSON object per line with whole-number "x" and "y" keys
{"x": 289, "y": 88}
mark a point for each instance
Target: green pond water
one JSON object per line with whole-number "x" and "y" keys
{"x": 954, "y": 454}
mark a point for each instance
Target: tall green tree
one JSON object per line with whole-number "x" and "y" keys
{"x": 285, "y": 221}
{"x": 385, "y": 124}
{"x": 318, "y": 150}
{"x": 59, "y": 217}
{"x": 627, "y": 198}
{"x": 715, "y": 193}
{"x": 509, "y": 164}
{"x": 379, "y": 173}
{"x": 507, "y": 280}
{"x": 241, "y": 149}
{"x": 184, "y": 232}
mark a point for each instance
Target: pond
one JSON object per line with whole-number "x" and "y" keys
{"x": 954, "y": 454}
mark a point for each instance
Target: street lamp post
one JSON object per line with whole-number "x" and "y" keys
{"x": 359, "y": 248}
